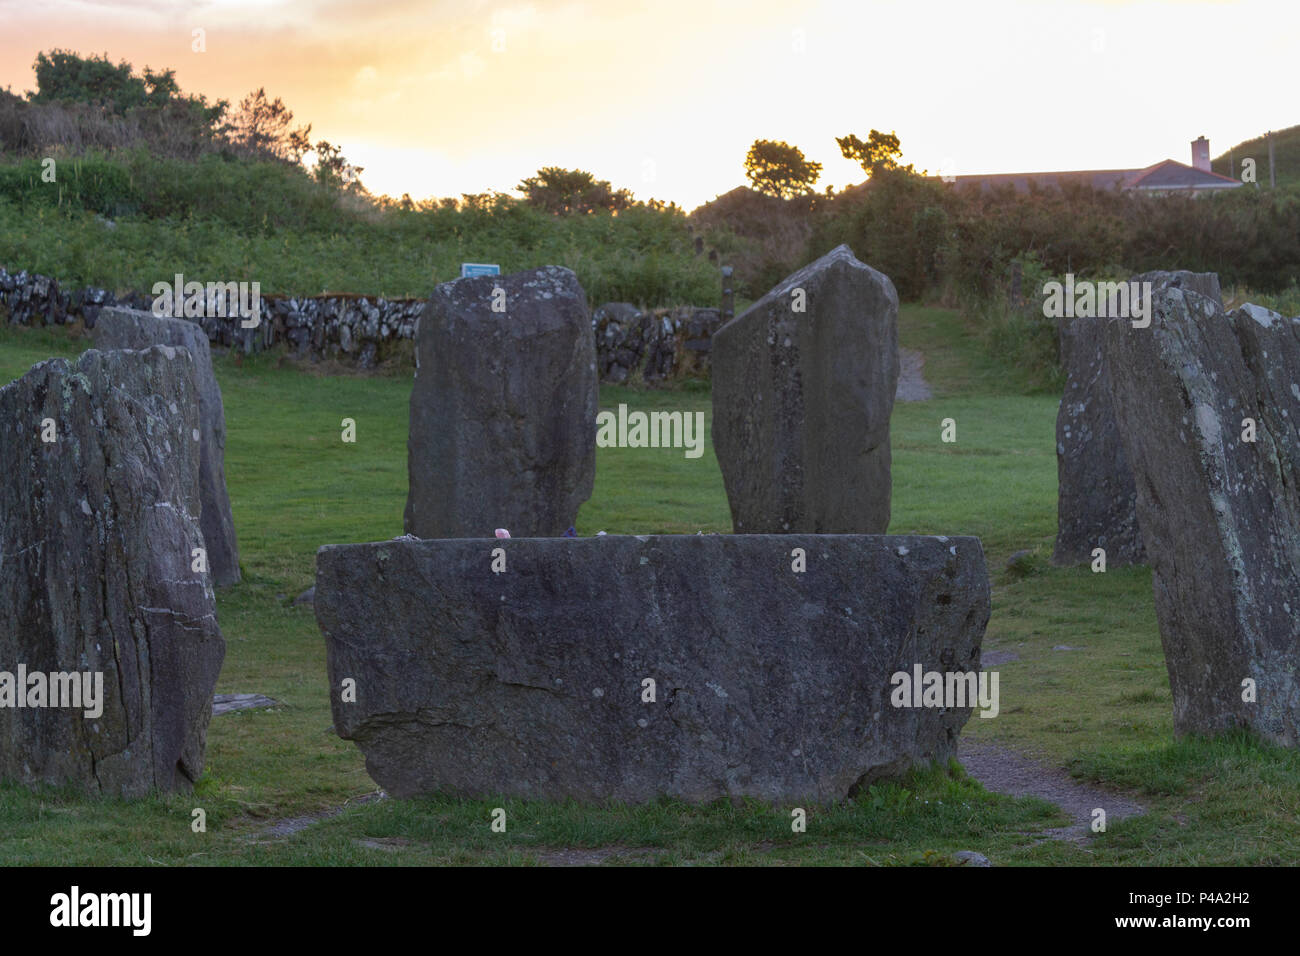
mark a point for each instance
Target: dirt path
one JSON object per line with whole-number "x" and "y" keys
{"x": 912, "y": 386}
{"x": 1006, "y": 771}
{"x": 229, "y": 703}
{"x": 291, "y": 825}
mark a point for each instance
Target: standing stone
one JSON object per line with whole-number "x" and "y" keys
{"x": 97, "y": 530}
{"x": 1220, "y": 514}
{"x": 503, "y": 412}
{"x": 1097, "y": 500}
{"x": 802, "y": 399}
{"x": 632, "y": 668}
{"x": 119, "y": 328}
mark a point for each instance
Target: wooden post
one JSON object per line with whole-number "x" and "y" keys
{"x": 728, "y": 299}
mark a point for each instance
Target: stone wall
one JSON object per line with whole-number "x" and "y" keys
{"x": 631, "y": 345}
{"x": 654, "y": 346}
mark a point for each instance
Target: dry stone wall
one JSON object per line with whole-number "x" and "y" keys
{"x": 631, "y": 345}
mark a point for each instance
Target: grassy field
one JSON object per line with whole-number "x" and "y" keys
{"x": 1101, "y": 708}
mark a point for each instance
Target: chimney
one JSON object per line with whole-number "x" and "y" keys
{"x": 1201, "y": 153}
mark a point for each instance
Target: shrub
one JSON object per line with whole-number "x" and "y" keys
{"x": 271, "y": 222}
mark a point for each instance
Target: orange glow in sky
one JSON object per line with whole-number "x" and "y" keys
{"x": 664, "y": 97}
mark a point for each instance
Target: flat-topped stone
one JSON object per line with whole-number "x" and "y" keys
{"x": 534, "y": 682}
{"x": 503, "y": 410}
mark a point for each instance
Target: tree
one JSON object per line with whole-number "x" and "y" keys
{"x": 261, "y": 127}
{"x": 333, "y": 169}
{"x": 64, "y": 76}
{"x": 563, "y": 191}
{"x": 779, "y": 169}
{"x": 161, "y": 87}
{"x": 880, "y": 151}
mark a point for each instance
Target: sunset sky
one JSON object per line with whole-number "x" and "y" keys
{"x": 664, "y": 97}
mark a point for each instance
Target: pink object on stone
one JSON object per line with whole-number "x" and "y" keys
{"x": 502, "y": 533}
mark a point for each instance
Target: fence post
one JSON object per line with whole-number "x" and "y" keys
{"x": 728, "y": 299}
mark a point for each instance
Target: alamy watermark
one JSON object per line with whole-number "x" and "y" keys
{"x": 193, "y": 300}
{"x": 948, "y": 690}
{"x": 79, "y": 690}
{"x": 77, "y": 909}
{"x": 1086, "y": 300}
{"x": 651, "y": 430}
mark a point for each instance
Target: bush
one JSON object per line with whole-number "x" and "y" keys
{"x": 1010, "y": 324}
{"x": 762, "y": 238}
{"x": 270, "y": 222}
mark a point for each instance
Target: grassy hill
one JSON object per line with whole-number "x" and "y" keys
{"x": 1286, "y": 156}
{"x": 128, "y": 219}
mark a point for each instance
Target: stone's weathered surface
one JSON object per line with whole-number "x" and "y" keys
{"x": 529, "y": 683}
{"x": 1202, "y": 283}
{"x": 1220, "y": 516}
{"x": 801, "y": 402}
{"x": 96, "y": 534}
{"x": 119, "y": 328}
{"x": 1097, "y": 501}
{"x": 503, "y": 412}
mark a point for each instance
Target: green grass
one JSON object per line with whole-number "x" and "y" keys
{"x": 1286, "y": 156}
{"x": 1101, "y": 709}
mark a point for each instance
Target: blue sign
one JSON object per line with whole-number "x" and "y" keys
{"x": 479, "y": 269}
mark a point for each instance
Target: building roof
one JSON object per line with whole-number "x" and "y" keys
{"x": 1167, "y": 175}
{"x": 1173, "y": 175}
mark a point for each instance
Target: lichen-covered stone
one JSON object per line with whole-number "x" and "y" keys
{"x": 503, "y": 411}
{"x": 1202, "y": 283}
{"x": 1220, "y": 514}
{"x": 1097, "y": 501}
{"x": 535, "y": 682}
{"x": 803, "y": 388}
{"x": 97, "y": 530}
{"x": 119, "y": 328}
